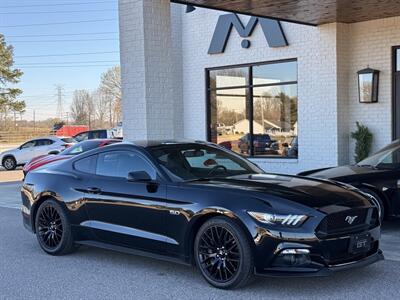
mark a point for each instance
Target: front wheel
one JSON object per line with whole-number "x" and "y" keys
{"x": 53, "y": 230}
{"x": 223, "y": 253}
{"x": 9, "y": 163}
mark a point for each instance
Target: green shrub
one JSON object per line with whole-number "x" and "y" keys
{"x": 363, "y": 138}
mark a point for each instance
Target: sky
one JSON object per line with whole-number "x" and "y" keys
{"x": 59, "y": 42}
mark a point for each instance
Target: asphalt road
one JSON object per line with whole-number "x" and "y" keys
{"x": 26, "y": 272}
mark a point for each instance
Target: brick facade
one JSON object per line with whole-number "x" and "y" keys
{"x": 163, "y": 69}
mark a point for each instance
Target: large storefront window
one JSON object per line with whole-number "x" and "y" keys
{"x": 253, "y": 109}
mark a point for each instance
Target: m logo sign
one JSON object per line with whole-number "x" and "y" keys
{"x": 272, "y": 31}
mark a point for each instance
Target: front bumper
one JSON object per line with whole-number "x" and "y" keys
{"x": 325, "y": 255}
{"x": 322, "y": 270}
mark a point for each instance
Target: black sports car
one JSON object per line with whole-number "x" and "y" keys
{"x": 377, "y": 175}
{"x": 199, "y": 203}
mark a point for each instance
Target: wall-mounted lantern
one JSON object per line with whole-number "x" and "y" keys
{"x": 368, "y": 83}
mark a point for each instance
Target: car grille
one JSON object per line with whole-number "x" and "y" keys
{"x": 348, "y": 221}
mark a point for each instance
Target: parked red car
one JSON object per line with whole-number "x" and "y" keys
{"x": 67, "y": 153}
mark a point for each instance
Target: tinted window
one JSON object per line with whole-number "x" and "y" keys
{"x": 44, "y": 142}
{"x": 81, "y": 147}
{"x": 99, "y": 134}
{"x": 81, "y": 137}
{"x": 121, "y": 163}
{"x": 200, "y": 161}
{"x": 86, "y": 165}
{"x": 68, "y": 140}
{"x": 28, "y": 144}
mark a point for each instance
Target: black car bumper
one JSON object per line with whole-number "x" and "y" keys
{"x": 277, "y": 254}
{"x": 322, "y": 270}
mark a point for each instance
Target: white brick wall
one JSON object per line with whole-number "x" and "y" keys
{"x": 370, "y": 44}
{"x": 163, "y": 77}
{"x": 315, "y": 49}
{"x": 148, "y": 69}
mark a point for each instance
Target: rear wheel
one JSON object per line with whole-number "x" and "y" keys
{"x": 9, "y": 163}
{"x": 53, "y": 229}
{"x": 223, "y": 253}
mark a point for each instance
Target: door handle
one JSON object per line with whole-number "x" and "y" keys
{"x": 93, "y": 190}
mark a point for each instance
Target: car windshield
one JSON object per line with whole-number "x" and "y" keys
{"x": 194, "y": 161}
{"x": 80, "y": 148}
{"x": 387, "y": 158}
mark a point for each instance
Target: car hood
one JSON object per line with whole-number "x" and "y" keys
{"x": 8, "y": 151}
{"x": 346, "y": 171}
{"x": 319, "y": 194}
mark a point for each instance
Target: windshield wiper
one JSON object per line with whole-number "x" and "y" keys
{"x": 367, "y": 166}
{"x": 199, "y": 179}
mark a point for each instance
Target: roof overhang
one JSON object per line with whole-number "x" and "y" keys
{"x": 309, "y": 12}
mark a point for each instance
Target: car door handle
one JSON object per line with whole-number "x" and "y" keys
{"x": 93, "y": 190}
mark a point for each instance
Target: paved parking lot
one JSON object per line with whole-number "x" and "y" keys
{"x": 27, "y": 273}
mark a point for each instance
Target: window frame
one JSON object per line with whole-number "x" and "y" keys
{"x": 250, "y": 87}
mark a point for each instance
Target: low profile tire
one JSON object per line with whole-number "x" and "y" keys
{"x": 9, "y": 163}
{"x": 378, "y": 203}
{"x": 53, "y": 230}
{"x": 223, "y": 253}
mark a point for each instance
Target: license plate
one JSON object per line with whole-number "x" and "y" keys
{"x": 360, "y": 243}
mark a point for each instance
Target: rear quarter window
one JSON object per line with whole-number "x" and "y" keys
{"x": 86, "y": 165}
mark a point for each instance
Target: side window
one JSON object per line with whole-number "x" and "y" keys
{"x": 99, "y": 134}
{"x": 86, "y": 165}
{"x": 43, "y": 142}
{"x": 28, "y": 145}
{"x": 47, "y": 142}
{"x": 82, "y": 136}
{"x": 121, "y": 163}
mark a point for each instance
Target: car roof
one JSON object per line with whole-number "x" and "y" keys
{"x": 166, "y": 142}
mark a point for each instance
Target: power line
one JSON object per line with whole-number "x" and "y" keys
{"x": 70, "y": 62}
{"x": 59, "y": 23}
{"x": 76, "y": 66}
{"x": 67, "y": 54}
{"x": 56, "y": 12}
{"x": 52, "y": 41}
{"x": 62, "y": 34}
{"x": 57, "y": 4}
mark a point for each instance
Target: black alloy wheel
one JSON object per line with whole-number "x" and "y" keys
{"x": 9, "y": 163}
{"x": 53, "y": 230}
{"x": 223, "y": 253}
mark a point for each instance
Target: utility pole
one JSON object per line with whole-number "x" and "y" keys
{"x": 60, "y": 95}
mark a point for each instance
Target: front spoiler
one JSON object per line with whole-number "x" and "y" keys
{"x": 323, "y": 271}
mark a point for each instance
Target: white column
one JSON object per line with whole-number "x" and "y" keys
{"x": 147, "y": 69}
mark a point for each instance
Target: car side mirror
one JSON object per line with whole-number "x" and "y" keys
{"x": 139, "y": 176}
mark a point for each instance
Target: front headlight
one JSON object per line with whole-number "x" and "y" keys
{"x": 275, "y": 219}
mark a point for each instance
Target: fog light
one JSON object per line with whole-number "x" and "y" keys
{"x": 293, "y": 258}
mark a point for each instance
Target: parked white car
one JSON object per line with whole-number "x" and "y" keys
{"x": 41, "y": 146}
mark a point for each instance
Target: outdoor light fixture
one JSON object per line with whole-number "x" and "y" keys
{"x": 368, "y": 82}
{"x": 190, "y": 8}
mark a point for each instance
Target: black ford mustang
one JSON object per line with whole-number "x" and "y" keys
{"x": 377, "y": 175}
{"x": 198, "y": 203}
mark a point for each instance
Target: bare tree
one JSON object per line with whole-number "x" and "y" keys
{"x": 81, "y": 103}
{"x": 110, "y": 87}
